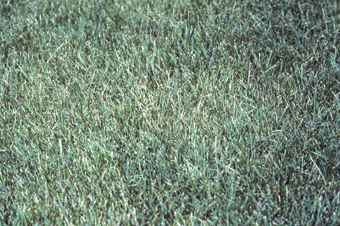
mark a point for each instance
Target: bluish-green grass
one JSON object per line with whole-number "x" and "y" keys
{"x": 169, "y": 112}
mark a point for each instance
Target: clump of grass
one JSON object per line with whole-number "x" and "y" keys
{"x": 169, "y": 112}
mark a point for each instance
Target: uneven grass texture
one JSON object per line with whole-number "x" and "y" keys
{"x": 170, "y": 112}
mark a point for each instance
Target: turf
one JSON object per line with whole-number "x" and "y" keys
{"x": 169, "y": 112}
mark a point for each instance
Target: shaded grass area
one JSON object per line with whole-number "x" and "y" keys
{"x": 174, "y": 112}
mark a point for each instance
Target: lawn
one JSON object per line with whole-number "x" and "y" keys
{"x": 169, "y": 112}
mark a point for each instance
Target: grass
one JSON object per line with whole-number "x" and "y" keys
{"x": 169, "y": 112}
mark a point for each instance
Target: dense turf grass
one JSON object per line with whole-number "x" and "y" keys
{"x": 169, "y": 112}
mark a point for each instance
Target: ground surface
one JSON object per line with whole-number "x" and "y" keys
{"x": 173, "y": 112}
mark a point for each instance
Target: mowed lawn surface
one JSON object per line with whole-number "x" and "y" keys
{"x": 170, "y": 112}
